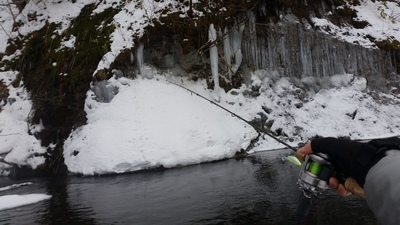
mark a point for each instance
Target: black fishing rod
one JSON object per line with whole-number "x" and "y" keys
{"x": 258, "y": 129}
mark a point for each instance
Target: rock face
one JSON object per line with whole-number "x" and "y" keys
{"x": 296, "y": 52}
{"x": 280, "y": 39}
{"x": 277, "y": 37}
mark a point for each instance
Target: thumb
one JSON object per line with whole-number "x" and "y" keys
{"x": 303, "y": 151}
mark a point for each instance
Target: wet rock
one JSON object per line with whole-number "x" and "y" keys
{"x": 241, "y": 154}
{"x": 269, "y": 123}
{"x": 117, "y": 73}
{"x": 234, "y": 92}
{"x": 298, "y": 105}
{"x": 352, "y": 115}
{"x": 266, "y": 109}
{"x": 278, "y": 131}
{"x": 168, "y": 61}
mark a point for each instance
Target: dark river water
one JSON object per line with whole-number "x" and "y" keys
{"x": 260, "y": 189}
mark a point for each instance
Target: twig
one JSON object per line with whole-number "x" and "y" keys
{"x": 5, "y": 162}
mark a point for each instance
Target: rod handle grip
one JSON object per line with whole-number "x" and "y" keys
{"x": 351, "y": 185}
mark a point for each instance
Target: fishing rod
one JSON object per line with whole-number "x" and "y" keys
{"x": 258, "y": 129}
{"x": 316, "y": 169}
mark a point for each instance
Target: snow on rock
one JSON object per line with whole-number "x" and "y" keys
{"x": 22, "y": 148}
{"x": 383, "y": 18}
{"x": 152, "y": 123}
{"x": 383, "y": 23}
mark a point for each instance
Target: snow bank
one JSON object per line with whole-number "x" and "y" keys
{"x": 152, "y": 123}
{"x": 22, "y": 148}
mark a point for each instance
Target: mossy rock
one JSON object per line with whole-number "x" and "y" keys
{"x": 360, "y": 24}
{"x": 103, "y": 74}
{"x": 4, "y": 93}
{"x": 388, "y": 45}
{"x": 58, "y": 77}
{"x": 346, "y": 11}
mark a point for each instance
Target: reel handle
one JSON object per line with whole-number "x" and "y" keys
{"x": 349, "y": 183}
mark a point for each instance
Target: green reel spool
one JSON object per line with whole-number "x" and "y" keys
{"x": 315, "y": 168}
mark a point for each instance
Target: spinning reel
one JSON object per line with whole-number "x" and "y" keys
{"x": 313, "y": 180}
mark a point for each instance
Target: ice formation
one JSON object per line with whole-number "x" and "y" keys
{"x": 212, "y": 36}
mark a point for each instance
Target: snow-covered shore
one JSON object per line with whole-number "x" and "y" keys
{"x": 152, "y": 123}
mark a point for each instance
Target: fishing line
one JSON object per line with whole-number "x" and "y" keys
{"x": 258, "y": 129}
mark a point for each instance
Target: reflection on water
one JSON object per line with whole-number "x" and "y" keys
{"x": 260, "y": 189}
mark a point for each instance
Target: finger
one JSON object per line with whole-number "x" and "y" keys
{"x": 340, "y": 189}
{"x": 333, "y": 182}
{"x": 306, "y": 149}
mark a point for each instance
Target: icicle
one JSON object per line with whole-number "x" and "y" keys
{"x": 253, "y": 39}
{"x": 212, "y": 35}
{"x": 236, "y": 42}
{"x": 238, "y": 61}
{"x": 227, "y": 52}
{"x": 139, "y": 58}
{"x": 132, "y": 56}
{"x": 295, "y": 50}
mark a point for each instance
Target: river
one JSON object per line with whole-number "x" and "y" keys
{"x": 259, "y": 189}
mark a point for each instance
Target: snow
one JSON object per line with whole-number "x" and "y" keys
{"x": 15, "y": 140}
{"x": 383, "y": 23}
{"x": 13, "y": 201}
{"x": 151, "y": 122}
{"x": 383, "y": 17}
{"x": 142, "y": 128}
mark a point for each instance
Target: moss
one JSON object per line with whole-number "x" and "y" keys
{"x": 360, "y": 24}
{"x": 121, "y": 62}
{"x": 58, "y": 79}
{"x": 103, "y": 74}
{"x": 15, "y": 83}
{"x": 3, "y": 92}
{"x": 388, "y": 45}
{"x": 195, "y": 29}
{"x": 346, "y": 11}
{"x": 345, "y": 2}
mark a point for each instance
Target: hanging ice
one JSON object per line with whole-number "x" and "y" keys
{"x": 236, "y": 41}
{"x": 103, "y": 91}
{"x": 139, "y": 58}
{"x": 132, "y": 56}
{"x": 227, "y": 52}
{"x": 252, "y": 33}
{"x": 293, "y": 49}
{"x": 212, "y": 36}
